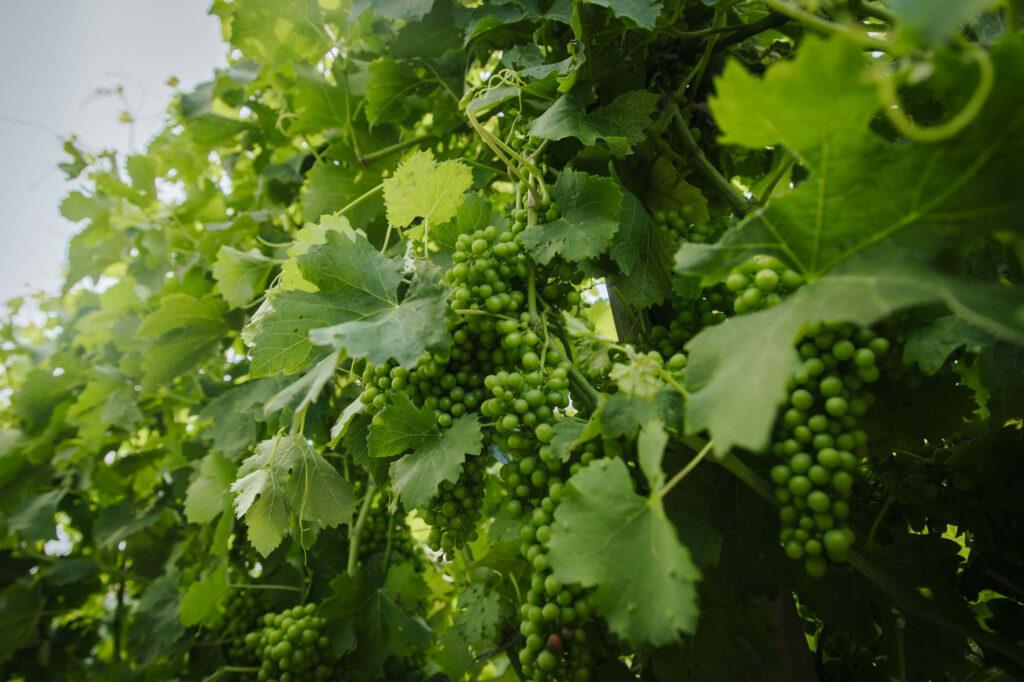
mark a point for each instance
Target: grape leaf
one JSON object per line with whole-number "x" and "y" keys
{"x": 354, "y": 281}
{"x": 421, "y": 188}
{"x": 108, "y": 399}
{"x": 241, "y": 275}
{"x": 185, "y": 330}
{"x": 650, "y": 599}
{"x": 234, "y": 414}
{"x": 388, "y": 86}
{"x": 620, "y": 124}
{"x": 378, "y": 612}
{"x": 819, "y": 106}
{"x": 401, "y": 333}
{"x": 567, "y": 435}
{"x": 407, "y": 10}
{"x": 318, "y": 103}
{"x": 650, "y": 448}
{"x": 417, "y": 475}
{"x": 931, "y": 345}
{"x": 34, "y": 518}
{"x": 202, "y": 601}
{"x": 642, "y": 253}
{"x": 310, "y": 235}
{"x": 644, "y": 12}
{"x": 276, "y": 31}
{"x": 305, "y": 390}
{"x": 331, "y": 186}
{"x": 21, "y": 607}
{"x": 479, "y": 616}
{"x": 155, "y": 625}
{"x": 934, "y": 21}
{"x": 401, "y": 426}
{"x": 287, "y": 478}
{"x": 747, "y": 360}
{"x": 122, "y": 521}
{"x": 590, "y": 208}
{"x": 208, "y": 494}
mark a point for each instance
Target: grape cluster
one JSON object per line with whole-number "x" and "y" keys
{"x": 384, "y": 531}
{"x": 293, "y": 646}
{"x": 819, "y": 443}
{"x": 244, "y": 614}
{"x": 681, "y": 224}
{"x": 691, "y": 317}
{"x": 455, "y": 510}
{"x": 761, "y": 282}
{"x": 554, "y": 617}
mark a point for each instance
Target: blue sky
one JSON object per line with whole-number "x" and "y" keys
{"x": 57, "y": 55}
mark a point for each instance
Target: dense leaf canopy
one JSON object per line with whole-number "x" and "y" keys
{"x": 537, "y": 340}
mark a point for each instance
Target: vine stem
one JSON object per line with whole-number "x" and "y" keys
{"x": 685, "y": 471}
{"x": 739, "y": 204}
{"x": 826, "y": 26}
{"x": 353, "y": 541}
{"x": 587, "y": 393}
{"x": 905, "y": 599}
{"x": 367, "y": 159}
{"x": 363, "y": 197}
{"x": 895, "y": 112}
{"x": 263, "y": 586}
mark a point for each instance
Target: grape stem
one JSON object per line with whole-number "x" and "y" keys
{"x": 362, "y": 197}
{"x": 588, "y": 395}
{"x": 906, "y": 600}
{"x": 263, "y": 586}
{"x": 740, "y": 206}
{"x": 353, "y": 538}
{"x": 685, "y": 471}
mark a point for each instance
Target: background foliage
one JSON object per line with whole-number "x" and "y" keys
{"x": 525, "y": 340}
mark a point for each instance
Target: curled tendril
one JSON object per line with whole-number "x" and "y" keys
{"x": 894, "y": 110}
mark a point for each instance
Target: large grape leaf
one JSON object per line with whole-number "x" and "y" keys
{"x": 402, "y": 332}
{"x": 417, "y": 475}
{"x": 353, "y": 280}
{"x": 590, "y": 207}
{"x": 286, "y": 478}
{"x": 620, "y": 124}
{"x": 747, "y": 360}
{"x": 401, "y": 426}
{"x": 652, "y": 597}
{"x": 388, "y": 86}
{"x": 421, "y": 188}
{"x": 378, "y": 611}
{"x": 318, "y": 103}
{"x": 862, "y": 189}
{"x": 275, "y": 31}
{"x": 309, "y": 235}
{"x": 184, "y": 331}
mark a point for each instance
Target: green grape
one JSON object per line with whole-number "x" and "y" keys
{"x": 243, "y": 614}
{"x": 293, "y": 644}
{"x": 818, "y": 440}
{"x": 761, "y": 282}
{"x": 457, "y": 507}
